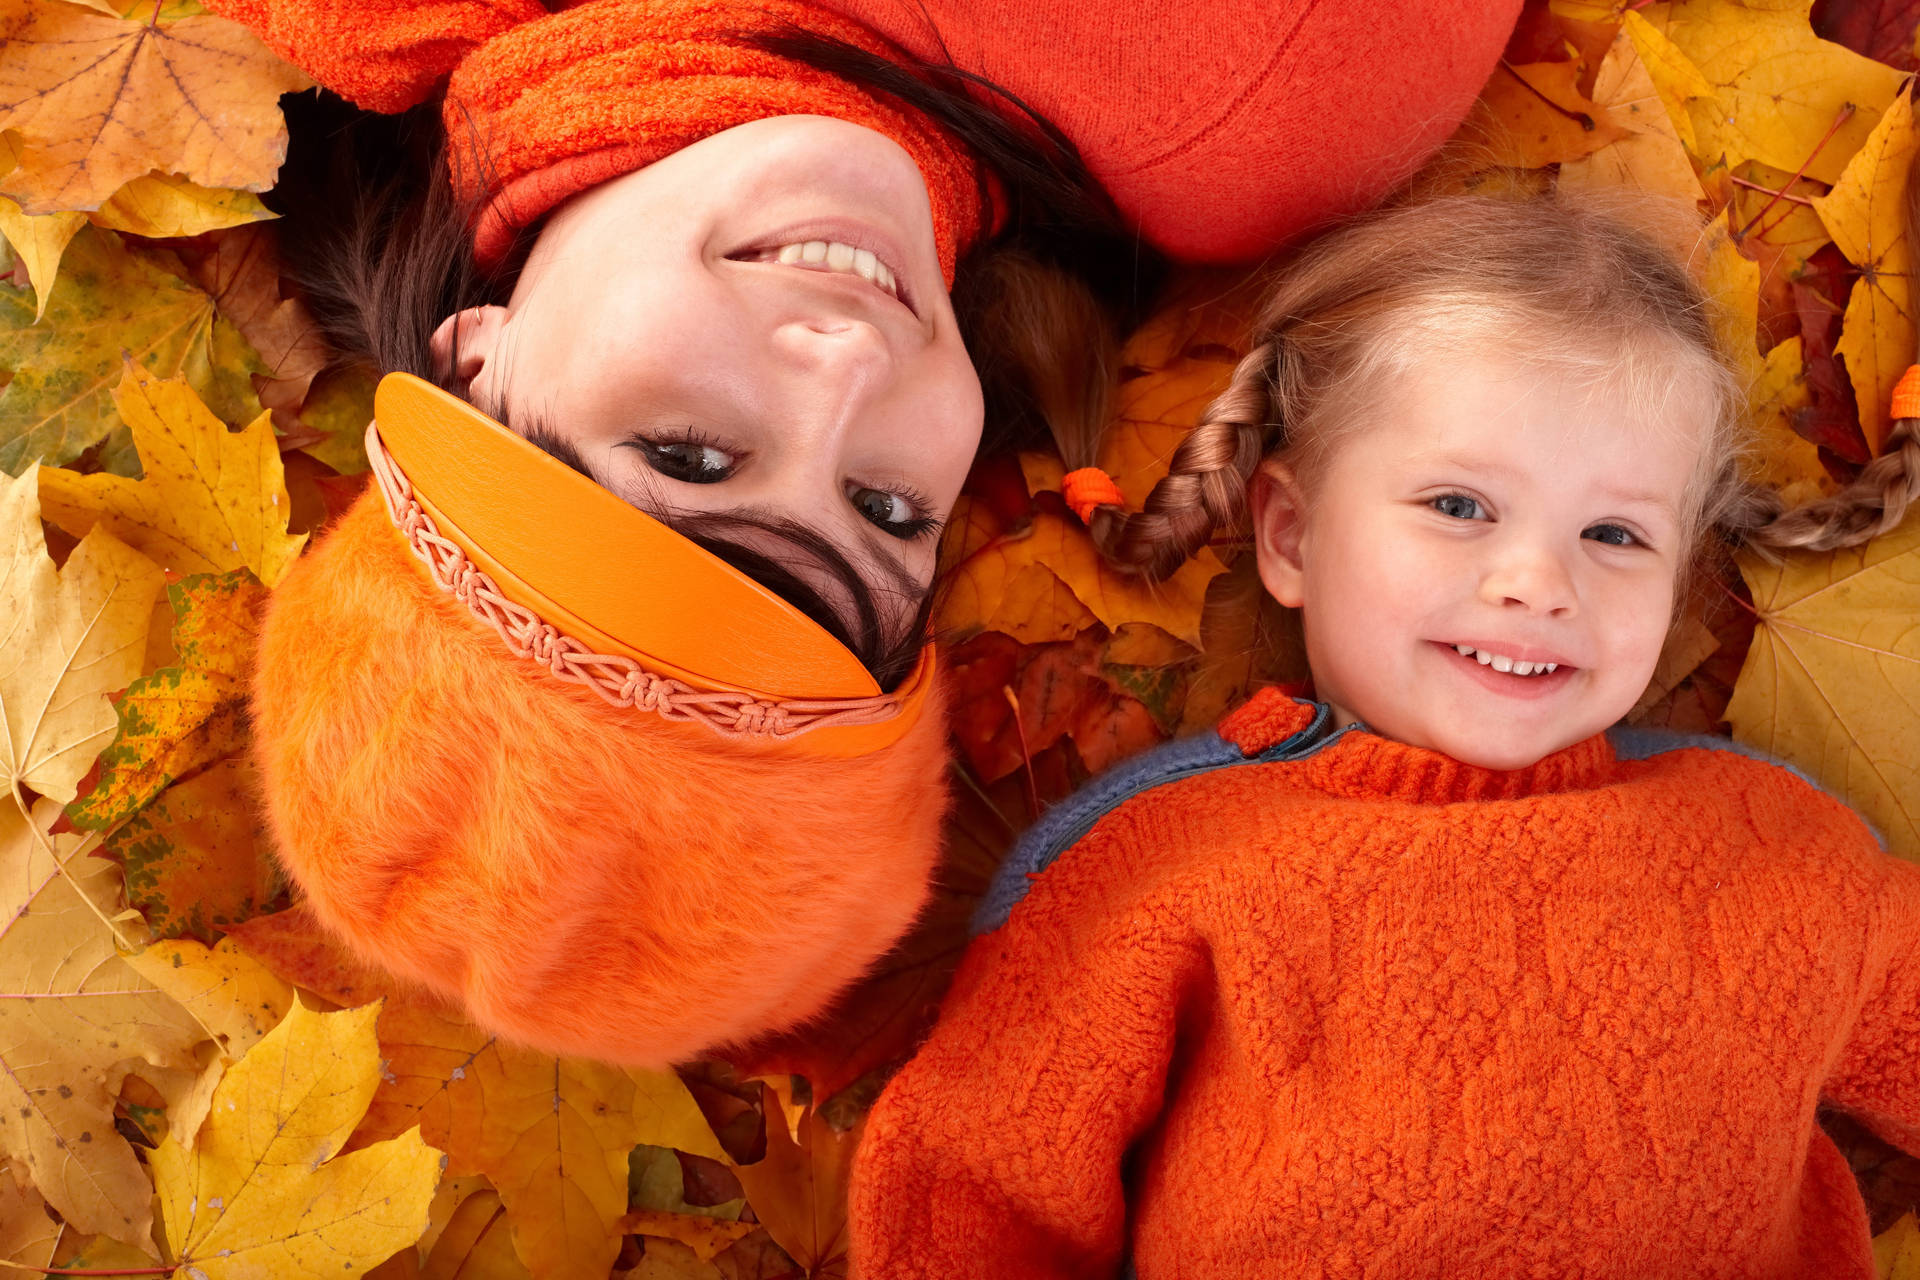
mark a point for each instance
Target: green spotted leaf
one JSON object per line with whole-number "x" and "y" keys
{"x": 183, "y": 717}
{"x": 194, "y": 859}
{"x": 109, "y": 303}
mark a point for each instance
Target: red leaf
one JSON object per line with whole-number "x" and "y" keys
{"x": 1881, "y": 29}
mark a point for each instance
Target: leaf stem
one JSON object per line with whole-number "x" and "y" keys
{"x": 1026, "y": 754}
{"x": 1840, "y": 117}
{"x": 1777, "y": 195}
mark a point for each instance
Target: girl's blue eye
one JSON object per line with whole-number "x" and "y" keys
{"x": 1457, "y": 505}
{"x": 1611, "y": 534}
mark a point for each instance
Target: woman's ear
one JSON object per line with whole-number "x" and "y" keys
{"x": 1279, "y": 529}
{"x": 464, "y": 342}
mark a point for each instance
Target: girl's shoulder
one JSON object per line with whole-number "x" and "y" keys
{"x": 1291, "y": 730}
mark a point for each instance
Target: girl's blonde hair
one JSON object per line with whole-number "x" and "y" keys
{"x": 1570, "y": 285}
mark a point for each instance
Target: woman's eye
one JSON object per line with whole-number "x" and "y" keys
{"x": 1611, "y": 534}
{"x": 688, "y": 460}
{"x": 1457, "y": 505}
{"x": 889, "y": 512}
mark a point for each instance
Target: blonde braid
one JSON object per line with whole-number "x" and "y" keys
{"x": 1205, "y": 488}
{"x": 1875, "y": 503}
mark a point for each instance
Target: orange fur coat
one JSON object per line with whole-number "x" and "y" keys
{"x": 667, "y": 891}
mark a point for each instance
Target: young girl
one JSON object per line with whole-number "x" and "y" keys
{"x": 1438, "y": 975}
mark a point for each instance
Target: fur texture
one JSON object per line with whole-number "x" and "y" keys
{"x": 580, "y": 878}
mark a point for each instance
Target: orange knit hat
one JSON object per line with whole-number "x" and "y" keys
{"x": 559, "y": 102}
{"x": 587, "y": 834}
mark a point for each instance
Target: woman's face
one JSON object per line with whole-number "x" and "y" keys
{"x": 756, "y": 324}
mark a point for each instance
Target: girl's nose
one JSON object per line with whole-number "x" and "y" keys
{"x": 1530, "y": 576}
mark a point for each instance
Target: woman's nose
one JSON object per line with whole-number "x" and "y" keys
{"x": 1531, "y": 575}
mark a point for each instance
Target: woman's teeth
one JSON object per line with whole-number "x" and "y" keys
{"x": 831, "y": 255}
{"x": 1500, "y": 662}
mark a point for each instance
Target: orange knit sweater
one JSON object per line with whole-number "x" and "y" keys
{"x": 1344, "y": 1007}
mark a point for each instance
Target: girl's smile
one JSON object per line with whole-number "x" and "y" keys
{"x": 1486, "y": 558}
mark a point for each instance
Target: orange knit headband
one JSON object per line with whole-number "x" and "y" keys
{"x": 540, "y": 106}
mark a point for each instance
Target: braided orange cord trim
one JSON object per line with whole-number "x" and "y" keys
{"x": 1906, "y": 395}
{"x": 1087, "y": 488}
{"x": 619, "y": 680}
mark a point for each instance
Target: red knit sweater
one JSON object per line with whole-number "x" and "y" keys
{"x": 1367, "y": 1011}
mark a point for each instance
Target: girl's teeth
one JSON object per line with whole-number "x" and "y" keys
{"x": 835, "y": 256}
{"x": 1500, "y": 662}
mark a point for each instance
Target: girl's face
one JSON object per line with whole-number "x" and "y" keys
{"x": 1494, "y": 509}
{"x": 755, "y": 324}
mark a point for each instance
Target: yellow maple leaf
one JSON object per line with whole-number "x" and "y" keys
{"x": 228, "y": 991}
{"x": 211, "y": 499}
{"x": 552, "y": 1135}
{"x": 262, "y": 1192}
{"x": 73, "y": 1017}
{"x": 165, "y": 205}
{"x": 1751, "y": 81}
{"x": 108, "y": 305}
{"x": 39, "y": 241}
{"x": 68, "y": 638}
{"x": 1832, "y": 682}
{"x": 1534, "y": 115}
{"x": 1649, "y": 156}
{"x": 1896, "y": 1251}
{"x": 1866, "y": 215}
{"x": 99, "y": 100}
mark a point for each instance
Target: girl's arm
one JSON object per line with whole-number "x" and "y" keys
{"x": 997, "y": 1151}
{"x": 1878, "y": 1076}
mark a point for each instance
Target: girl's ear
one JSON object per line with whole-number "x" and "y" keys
{"x": 1279, "y": 526}
{"x": 464, "y": 342}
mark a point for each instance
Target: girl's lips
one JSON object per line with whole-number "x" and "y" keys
{"x": 856, "y": 234}
{"x": 1505, "y": 683}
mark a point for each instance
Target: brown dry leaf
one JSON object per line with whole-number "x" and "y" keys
{"x": 799, "y": 1192}
{"x": 97, "y": 101}
{"x": 994, "y": 588}
{"x": 262, "y": 1192}
{"x": 1865, "y": 213}
{"x": 242, "y": 273}
{"x": 73, "y": 1017}
{"x": 210, "y": 499}
{"x": 109, "y": 305}
{"x": 1534, "y": 115}
{"x": 1776, "y": 382}
{"x": 27, "y": 1235}
{"x": 1750, "y": 81}
{"x": 1832, "y": 682}
{"x": 707, "y": 1237}
{"x": 68, "y": 638}
{"x": 165, "y": 205}
{"x": 181, "y": 718}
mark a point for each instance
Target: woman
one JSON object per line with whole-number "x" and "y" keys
{"x": 629, "y": 790}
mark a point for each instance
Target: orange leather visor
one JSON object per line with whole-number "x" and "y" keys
{"x": 613, "y": 578}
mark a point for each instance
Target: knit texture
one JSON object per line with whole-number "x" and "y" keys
{"x": 1374, "y": 1012}
{"x": 579, "y": 877}
{"x": 542, "y": 106}
{"x": 1225, "y": 132}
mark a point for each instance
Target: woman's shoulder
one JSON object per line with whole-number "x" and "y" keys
{"x": 1224, "y": 131}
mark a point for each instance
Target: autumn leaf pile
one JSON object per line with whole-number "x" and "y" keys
{"x": 193, "y": 1081}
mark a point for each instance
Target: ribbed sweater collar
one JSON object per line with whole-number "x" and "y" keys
{"x": 1360, "y": 764}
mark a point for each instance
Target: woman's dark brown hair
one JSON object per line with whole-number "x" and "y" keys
{"x": 377, "y": 240}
